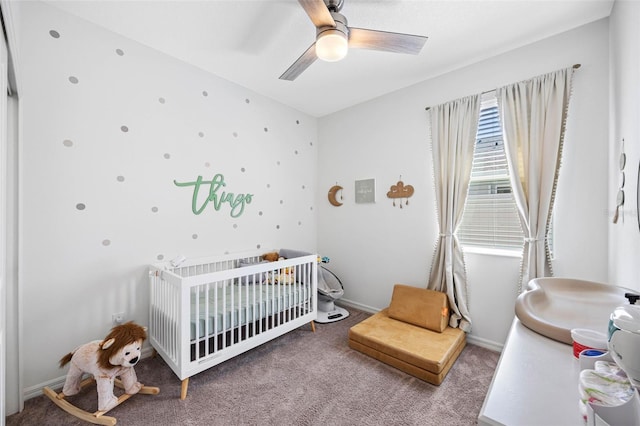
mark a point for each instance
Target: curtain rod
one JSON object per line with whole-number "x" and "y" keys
{"x": 575, "y": 67}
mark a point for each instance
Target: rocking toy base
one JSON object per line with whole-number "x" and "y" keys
{"x": 97, "y": 417}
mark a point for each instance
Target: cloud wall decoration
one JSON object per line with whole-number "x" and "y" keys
{"x": 400, "y": 190}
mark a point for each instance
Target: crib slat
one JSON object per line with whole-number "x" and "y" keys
{"x": 207, "y": 331}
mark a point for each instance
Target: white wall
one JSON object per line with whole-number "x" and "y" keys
{"x": 72, "y": 283}
{"x": 99, "y": 204}
{"x": 624, "y": 237}
{"x": 12, "y": 394}
{"x": 373, "y": 246}
{"x": 4, "y": 188}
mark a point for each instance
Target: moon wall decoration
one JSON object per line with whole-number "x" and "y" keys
{"x": 620, "y": 198}
{"x": 333, "y": 193}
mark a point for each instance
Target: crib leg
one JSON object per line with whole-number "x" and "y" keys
{"x": 313, "y": 326}
{"x": 183, "y": 388}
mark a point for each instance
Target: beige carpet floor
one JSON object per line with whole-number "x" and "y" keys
{"x": 301, "y": 378}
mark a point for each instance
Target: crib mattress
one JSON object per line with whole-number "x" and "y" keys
{"x": 228, "y": 307}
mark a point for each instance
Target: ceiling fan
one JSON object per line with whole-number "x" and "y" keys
{"x": 334, "y": 37}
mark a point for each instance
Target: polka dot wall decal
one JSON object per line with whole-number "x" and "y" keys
{"x": 204, "y": 93}
{"x": 297, "y": 121}
{"x": 303, "y": 187}
{"x": 247, "y": 100}
{"x": 154, "y": 209}
{"x": 268, "y": 185}
{"x": 54, "y": 34}
{"x": 277, "y": 226}
{"x": 299, "y": 222}
{"x": 160, "y": 257}
{"x": 120, "y": 178}
{"x": 73, "y": 80}
{"x": 235, "y": 226}
{"x": 120, "y": 52}
{"x": 161, "y": 100}
{"x": 281, "y": 201}
{"x": 260, "y": 213}
{"x": 278, "y": 163}
{"x": 207, "y": 164}
{"x": 258, "y": 246}
{"x": 266, "y": 130}
{"x": 235, "y": 134}
{"x": 68, "y": 143}
{"x": 81, "y": 206}
{"x": 167, "y": 155}
{"x": 194, "y": 236}
{"x": 106, "y": 242}
{"x": 201, "y": 134}
{"x": 242, "y": 169}
{"x": 295, "y": 152}
{"x": 124, "y": 129}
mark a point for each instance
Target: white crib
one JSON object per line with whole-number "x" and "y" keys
{"x": 206, "y": 311}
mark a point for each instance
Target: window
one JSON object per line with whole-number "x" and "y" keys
{"x": 490, "y": 219}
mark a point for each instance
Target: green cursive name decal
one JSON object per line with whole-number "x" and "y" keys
{"x": 235, "y": 201}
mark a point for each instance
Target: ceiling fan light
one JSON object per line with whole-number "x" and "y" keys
{"x": 332, "y": 45}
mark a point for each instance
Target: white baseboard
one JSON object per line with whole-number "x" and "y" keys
{"x": 34, "y": 391}
{"x": 484, "y": 343}
{"x": 57, "y": 383}
{"x": 345, "y": 303}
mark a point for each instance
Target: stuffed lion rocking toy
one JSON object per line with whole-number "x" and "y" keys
{"x": 104, "y": 360}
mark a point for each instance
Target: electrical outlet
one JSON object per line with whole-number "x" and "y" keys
{"x": 117, "y": 318}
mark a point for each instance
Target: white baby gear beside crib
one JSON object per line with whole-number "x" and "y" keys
{"x": 206, "y": 311}
{"x": 330, "y": 289}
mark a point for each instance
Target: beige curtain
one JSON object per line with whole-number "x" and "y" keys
{"x": 533, "y": 113}
{"x": 453, "y": 134}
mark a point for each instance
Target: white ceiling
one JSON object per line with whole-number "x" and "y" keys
{"x": 252, "y": 42}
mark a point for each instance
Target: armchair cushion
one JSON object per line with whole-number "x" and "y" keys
{"x": 419, "y": 306}
{"x": 423, "y": 353}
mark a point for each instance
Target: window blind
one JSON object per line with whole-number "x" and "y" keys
{"x": 490, "y": 219}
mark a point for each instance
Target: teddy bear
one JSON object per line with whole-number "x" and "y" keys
{"x": 271, "y": 257}
{"x": 284, "y": 275}
{"x": 114, "y": 356}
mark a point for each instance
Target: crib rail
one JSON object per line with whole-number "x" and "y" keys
{"x": 204, "y": 313}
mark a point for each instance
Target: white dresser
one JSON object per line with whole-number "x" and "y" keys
{"x": 535, "y": 383}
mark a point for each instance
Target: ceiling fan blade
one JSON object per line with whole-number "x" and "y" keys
{"x": 318, "y": 12}
{"x": 301, "y": 64}
{"x": 361, "y": 38}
